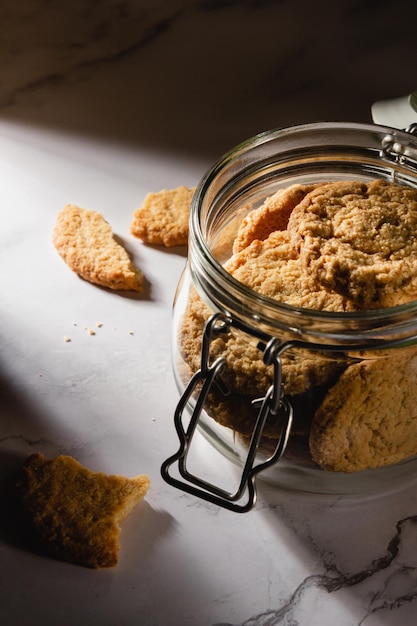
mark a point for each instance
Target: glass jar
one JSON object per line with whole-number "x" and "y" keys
{"x": 234, "y": 349}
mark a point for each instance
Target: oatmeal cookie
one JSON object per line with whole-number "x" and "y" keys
{"x": 163, "y": 217}
{"x": 368, "y": 419}
{"x": 75, "y": 512}
{"x": 272, "y": 215}
{"x": 239, "y": 408}
{"x": 273, "y": 268}
{"x": 246, "y": 372}
{"x": 85, "y": 241}
{"x": 358, "y": 239}
{"x": 306, "y": 378}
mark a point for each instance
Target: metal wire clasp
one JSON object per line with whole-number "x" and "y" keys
{"x": 396, "y": 150}
{"x": 273, "y": 403}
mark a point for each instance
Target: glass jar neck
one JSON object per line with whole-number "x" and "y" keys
{"x": 254, "y": 170}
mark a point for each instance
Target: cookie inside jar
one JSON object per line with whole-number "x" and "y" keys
{"x": 345, "y": 246}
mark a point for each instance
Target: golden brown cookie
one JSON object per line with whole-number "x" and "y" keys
{"x": 76, "y": 512}
{"x": 306, "y": 377}
{"x": 246, "y": 372}
{"x": 163, "y": 217}
{"x": 273, "y": 268}
{"x": 368, "y": 418}
{"x": 272, "y": 215}
{"x": 85, "y": 241}
{"x": 358, "y": 239}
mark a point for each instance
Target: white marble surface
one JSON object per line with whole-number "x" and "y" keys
{"x": 101, "y": 103}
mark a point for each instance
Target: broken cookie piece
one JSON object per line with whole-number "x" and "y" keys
{"x": 84, "y": 239}
{"x": 76, "y": 512}
{"x": 163, "y": 217}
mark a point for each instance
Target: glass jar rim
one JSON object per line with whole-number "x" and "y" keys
{"x": 395, "y": 325}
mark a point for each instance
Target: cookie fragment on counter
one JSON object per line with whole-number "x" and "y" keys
{"x": 76, "y": 512}
{"x": 85, "y": 240}
{"x": 163, "y": 217}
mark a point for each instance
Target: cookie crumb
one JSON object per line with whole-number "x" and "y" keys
{"x": 67, "y": 339}
{"x": 99, "y": 324}
{"x": 91, "y": 331}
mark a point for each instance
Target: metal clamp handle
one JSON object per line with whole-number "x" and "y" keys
{"x": 272, "y": 403}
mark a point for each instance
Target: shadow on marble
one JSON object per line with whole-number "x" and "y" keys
{"x": 24, "y": 424}
{"x": 25, "y": 436}
{"x": 28, "y": 437}
{"x": 140, "y": 534}
{"x": 199, "y": 77}
{"x": 13, "y": 529}
{"x": 23, "y": 421}
{"x": 23, "y": 430}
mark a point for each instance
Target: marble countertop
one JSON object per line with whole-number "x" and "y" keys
{"x": 99, "y": 105}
